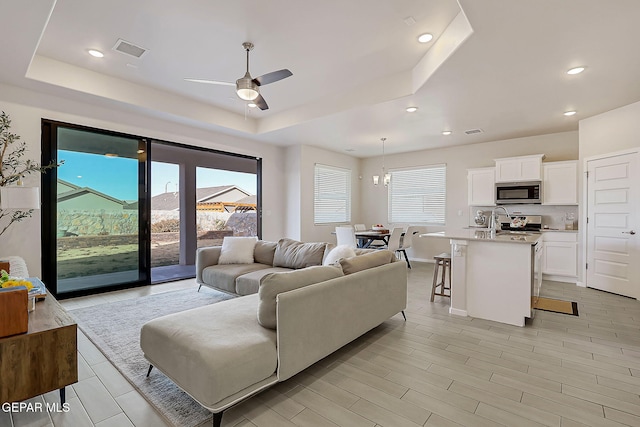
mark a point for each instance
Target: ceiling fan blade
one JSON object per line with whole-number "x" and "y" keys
{"x": 272, "y": 77}
{"x": 261, "y": 103}
{"x": 210, "y": 82}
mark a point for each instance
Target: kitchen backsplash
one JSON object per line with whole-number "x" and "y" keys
{"x": 552, "y": 216}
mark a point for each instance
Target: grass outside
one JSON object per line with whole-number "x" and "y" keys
{"x": 114, "y": 258}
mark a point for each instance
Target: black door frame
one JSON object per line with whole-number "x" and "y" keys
{"x": 49, "y": 203}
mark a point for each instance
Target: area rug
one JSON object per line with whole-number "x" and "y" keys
{"x": 557, "y": 306}
{"x": 115, "y": 329}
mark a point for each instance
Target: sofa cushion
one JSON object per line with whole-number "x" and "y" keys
{"x": 224, "y": 276}
{"x": 237, "y": 250}
{"x": 249, "y": 283}
{"x": 212, "y": 351}
{"x": 275, "y": 283}
{"x": 293, "y": 254}
{"x": 366, "y": 261}
{"x": 264, "y": 252}
{"x": 341, "y": 251}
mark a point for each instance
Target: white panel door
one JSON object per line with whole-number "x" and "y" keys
{"x": 613, "y": 256}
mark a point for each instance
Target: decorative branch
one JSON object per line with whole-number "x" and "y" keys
{"x": 13, "y": 168}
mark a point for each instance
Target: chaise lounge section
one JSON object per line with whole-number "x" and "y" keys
{"x": 226, "y": 352}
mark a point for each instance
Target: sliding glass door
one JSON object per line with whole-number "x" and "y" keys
{"x": 199, "y": 197}
{"x": 98, "y": 212}
{"x": 119, "y": 205}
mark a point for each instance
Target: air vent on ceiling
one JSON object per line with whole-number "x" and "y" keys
{"x": 129, "y": 48}
{"x": 473, "y": 131}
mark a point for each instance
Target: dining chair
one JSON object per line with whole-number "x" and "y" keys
{"x": 359, "y": 227}
{"x": 407, "y": 241}
{"x": 394, "y": 243}
{"x": 346, "y": 235}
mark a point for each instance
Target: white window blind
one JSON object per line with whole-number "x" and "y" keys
{"x": 418, "y": 195}
{"x": 331, "y": 195}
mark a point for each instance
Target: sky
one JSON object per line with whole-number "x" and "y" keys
{"x": 118, "y": 176}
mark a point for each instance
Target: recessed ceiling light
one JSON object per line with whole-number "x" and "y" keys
{"x": 576, "y": 70}
{"x": 425, "y": 38}
{"x": 447, "y": 132}
{"x": 252, "y": 105}
{"x": 412, "y": 109}
{"x": 95, "y": 53}
{"x": 569, "y": 113}
{"x": 111, "y": 155}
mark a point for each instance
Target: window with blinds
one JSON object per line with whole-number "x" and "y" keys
{"x": 418, "y": 195}
{"x": 331, "y": 195}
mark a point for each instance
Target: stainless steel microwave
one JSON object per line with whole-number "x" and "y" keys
{"x": 509, "y": 193}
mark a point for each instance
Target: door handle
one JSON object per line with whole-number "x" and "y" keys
{"x": 632, "y": 232}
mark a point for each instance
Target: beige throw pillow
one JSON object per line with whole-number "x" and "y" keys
{"x": 275, "y": 283}
{"x": 369, "y": 260}
{"x": 293, "y": 254}
{"x": 264, "y": 252}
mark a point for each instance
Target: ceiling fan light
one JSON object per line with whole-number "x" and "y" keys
{"x": 247, "y": 89}
{"x": 247, "y": 94}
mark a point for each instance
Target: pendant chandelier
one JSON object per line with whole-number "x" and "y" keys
{"x": 386, "y": 177}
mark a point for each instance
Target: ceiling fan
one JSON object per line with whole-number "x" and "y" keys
{"x": 248, "y": 88}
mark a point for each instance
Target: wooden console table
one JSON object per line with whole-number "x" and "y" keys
{"x": 43, "y": 359}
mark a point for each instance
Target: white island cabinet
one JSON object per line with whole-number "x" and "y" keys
{"x": 494, "y": 277}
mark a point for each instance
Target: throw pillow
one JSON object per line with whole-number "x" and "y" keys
{"x": 293, "y": 254}
{"x": 237, "y": 250}
{"x": 366, "y": 261}
{"x": 273, "y": 284}
{"x": 341, "y": 251}
{"x": 264, "y": 252}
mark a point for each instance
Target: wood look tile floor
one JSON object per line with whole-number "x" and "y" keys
{"x": 433, "y": 370}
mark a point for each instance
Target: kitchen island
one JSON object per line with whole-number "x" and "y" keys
{"x": 494, "y": 275}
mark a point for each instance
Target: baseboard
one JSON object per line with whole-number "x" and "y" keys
{"x": 422, "y": 260}
{"x": 581, "y": 284}
{"x": 555, "y": 278}
{"x": 457, "y": 312}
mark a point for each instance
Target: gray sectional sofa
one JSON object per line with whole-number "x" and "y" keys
{"x": 269, "y": 257}
{"x": 226, "y": 352}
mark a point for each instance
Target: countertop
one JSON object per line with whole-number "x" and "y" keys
{"x": 485, "y": 235}
{"x": 558, "y": 230}
{"x": 555, "y": 230}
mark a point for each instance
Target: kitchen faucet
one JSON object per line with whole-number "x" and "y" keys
{"x": 493, "y": 219}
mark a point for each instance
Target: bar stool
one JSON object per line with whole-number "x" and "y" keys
{"x": 443, "y": 260}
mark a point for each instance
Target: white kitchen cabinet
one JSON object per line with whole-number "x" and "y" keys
{"x": 560, "y": 183}
{"x": 523, "y": 168}
{"x": 481, "y": 187}
{"x": 560, "y": 256}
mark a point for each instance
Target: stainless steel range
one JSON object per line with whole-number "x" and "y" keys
{"x": 524, "y": 223}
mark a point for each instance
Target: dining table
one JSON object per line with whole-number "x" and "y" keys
{"x": 366, "y": 237}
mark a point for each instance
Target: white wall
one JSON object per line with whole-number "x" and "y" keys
{"x": 293, "y": 210}
{"x": 27, "y": 108}
{"x": 300, "y": 166}
{"x": 556, "y": 147}
{"x": 609, "y": 132}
